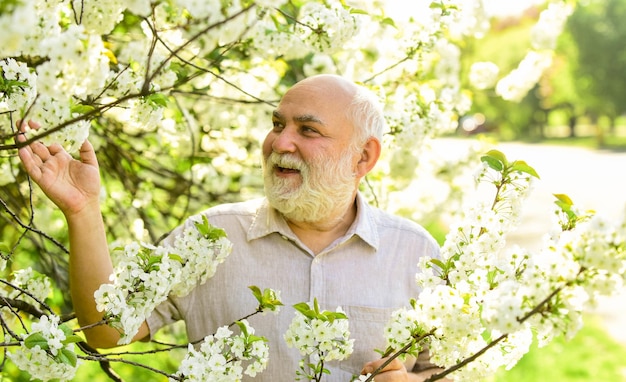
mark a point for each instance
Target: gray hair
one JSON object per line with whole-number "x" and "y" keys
{"x": 366, "y": 114}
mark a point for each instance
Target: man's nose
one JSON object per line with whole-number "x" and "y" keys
{"x": 285, "y": 141}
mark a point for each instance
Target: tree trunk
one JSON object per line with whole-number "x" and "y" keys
{"x": 572, "y": 125}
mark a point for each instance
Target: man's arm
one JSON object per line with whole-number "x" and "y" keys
{"x": 74, "y": 186}
{"x": 90, "y": 267}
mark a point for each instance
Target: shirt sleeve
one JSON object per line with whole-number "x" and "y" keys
{"x": 165, "y": 314}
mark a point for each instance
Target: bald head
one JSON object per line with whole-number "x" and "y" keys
{"x": 331, "y": 84}
{"x": 360, "y": 106}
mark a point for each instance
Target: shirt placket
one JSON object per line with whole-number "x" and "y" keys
{"x": 317, "y": 279}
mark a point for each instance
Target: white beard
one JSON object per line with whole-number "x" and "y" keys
{"x": 325, "y": 187}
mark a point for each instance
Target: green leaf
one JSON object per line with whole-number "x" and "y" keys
{"x": 66, "y": 330}
{"x": 216, "y": 233}
{"x": 567, "y": 208}
{"x": 438, "y": 263}
{"x": 157, "y": 100}
{"x": 275, "y": 20}
{"x": 242, "y": 327}
{"x": 152, "y": 261}
{"x": 389, "y": 21}
{"x": 332, "y": 316}
{"x": 208, "y": 230}
{"x": 355, "y": 11}
{"x": 36, "y": 339}
{"x": 253, "y": 338}
{"x": 67, "y": 357}
{"x": 256, "y": 291}
{"x": 522, "y": 166}
{"x": 70, "y": 337}
{"x": 4, "y": 248}
{"x": 176, "y": 257}
{"x": 269, "y": 300}
{"x": 564, "y": 199}
{"x": 81, "y": 109}
{"x": 269, "y": 295}
{"x": 6, "y": 86}
{"x": 303, "y": 308}
{"x": 493, "y": 161}
{"x": 499, "y": 156}
{"x": 73, "y": 339}
{"x": 436, "y": 5}
{"x": 203, "y": 227}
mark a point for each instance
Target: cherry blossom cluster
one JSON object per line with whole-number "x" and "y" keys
{"x": 320, "y": 336}
{"x": 515, "y": 85}
{"x": 221, "y": 356}
{"x": 25, "y": 285}
{"x": 327, "y": 28}
{"x": 47, "y": 353}
{"x": 145, "y": 275}
{"x": 37, "y": 286}
{"x": 481, "y": 298}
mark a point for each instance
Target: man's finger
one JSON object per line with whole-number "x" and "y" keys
{"x": 87, "y": 154}
{"x": 40, "y": 150}
{"x": 21, "y": 125}
{"x": 370, "y": 367}
{"x": 20, "y": 137}
{"x": 30, "y": 161}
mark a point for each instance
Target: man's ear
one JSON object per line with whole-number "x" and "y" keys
{"x": 370, "y": 153}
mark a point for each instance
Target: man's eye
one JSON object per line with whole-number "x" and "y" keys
{"x": 307, "y": 129}
{"x": 277, "y": 125}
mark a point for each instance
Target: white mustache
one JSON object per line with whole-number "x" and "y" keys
{"x": 286, "y": 161}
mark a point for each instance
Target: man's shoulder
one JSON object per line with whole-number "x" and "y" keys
{"x": 228, "y": 215}
{"x": 393, "y": 221}
{"x": 386, "y": 221}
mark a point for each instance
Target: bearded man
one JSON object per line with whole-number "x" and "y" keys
{"x": 312, "y": 237}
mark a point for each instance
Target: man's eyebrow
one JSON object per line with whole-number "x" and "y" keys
{"x": 300, "y": 118}
{"x": 276, "y": 114}
{"x": 309, "y": 118}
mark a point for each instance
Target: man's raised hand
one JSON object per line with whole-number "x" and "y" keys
{"x": 70, "y": 183}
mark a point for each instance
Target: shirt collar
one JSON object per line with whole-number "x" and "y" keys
{"x": 267, "y": 220}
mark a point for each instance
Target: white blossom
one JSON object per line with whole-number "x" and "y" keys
{"x": 483, "y": 75}
{"x": 550, "y": 25}
{"x": 326, "y": 28}
{"x": 19, "y": 95}
{"x": 320, "y": 339}
{"x": 515, "y": 85}
{"x": 145, "y": 275}
{"x": 44, "y": 364}
{"x": 37, "y": 285}
{"x": 222, "y": 356}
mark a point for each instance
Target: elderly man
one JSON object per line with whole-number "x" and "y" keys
{"x": 313, "y": 236}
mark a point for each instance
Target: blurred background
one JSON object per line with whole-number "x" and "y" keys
{"x": 572, "y": 129}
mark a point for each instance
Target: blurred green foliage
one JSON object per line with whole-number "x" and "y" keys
{"x": 592, "y": 355}
{"x": 581, "y": 88}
